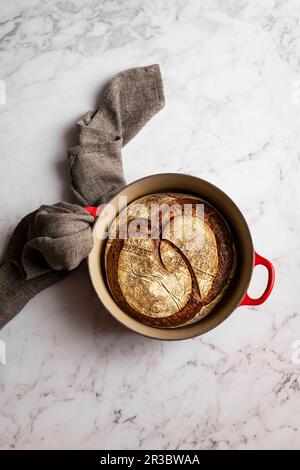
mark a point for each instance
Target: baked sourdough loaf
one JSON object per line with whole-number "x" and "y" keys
{"x": 167, "y": 281}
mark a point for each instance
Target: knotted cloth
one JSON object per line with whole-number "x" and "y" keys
{"x": 52, "y": 241}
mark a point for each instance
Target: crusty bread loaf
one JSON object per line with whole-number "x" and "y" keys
{"x": 168, "y": 281}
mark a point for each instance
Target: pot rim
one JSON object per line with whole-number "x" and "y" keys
{"x": 242, "y": 239}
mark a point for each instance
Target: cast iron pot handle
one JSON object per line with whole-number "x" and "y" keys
{"x": 92, "y": 210}
{"x": 271, "y": 278}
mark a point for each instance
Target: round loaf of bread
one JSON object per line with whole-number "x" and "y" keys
{"x": 169, "y": 259}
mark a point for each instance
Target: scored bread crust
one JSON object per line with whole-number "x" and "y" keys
{"x": 154, "y": 257}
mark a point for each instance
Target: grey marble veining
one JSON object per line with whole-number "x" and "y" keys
{"x": 75, "y": 378}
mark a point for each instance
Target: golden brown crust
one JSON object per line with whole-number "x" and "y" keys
{"x": 195, "y": 301}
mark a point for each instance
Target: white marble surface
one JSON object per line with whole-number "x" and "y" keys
{"x": 74, "y": 378}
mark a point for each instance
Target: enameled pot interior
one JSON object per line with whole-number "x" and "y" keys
{"x": 173, "y": 182}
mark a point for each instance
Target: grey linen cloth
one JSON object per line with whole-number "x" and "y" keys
{"x": 51, "y": 241}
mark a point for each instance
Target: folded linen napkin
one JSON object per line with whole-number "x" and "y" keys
{"x": 51, "y": 241}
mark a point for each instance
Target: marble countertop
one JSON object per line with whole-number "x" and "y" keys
{"x": 74, "y": 378}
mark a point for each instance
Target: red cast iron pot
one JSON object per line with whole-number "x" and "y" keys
{"x": 247, "y": 258}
